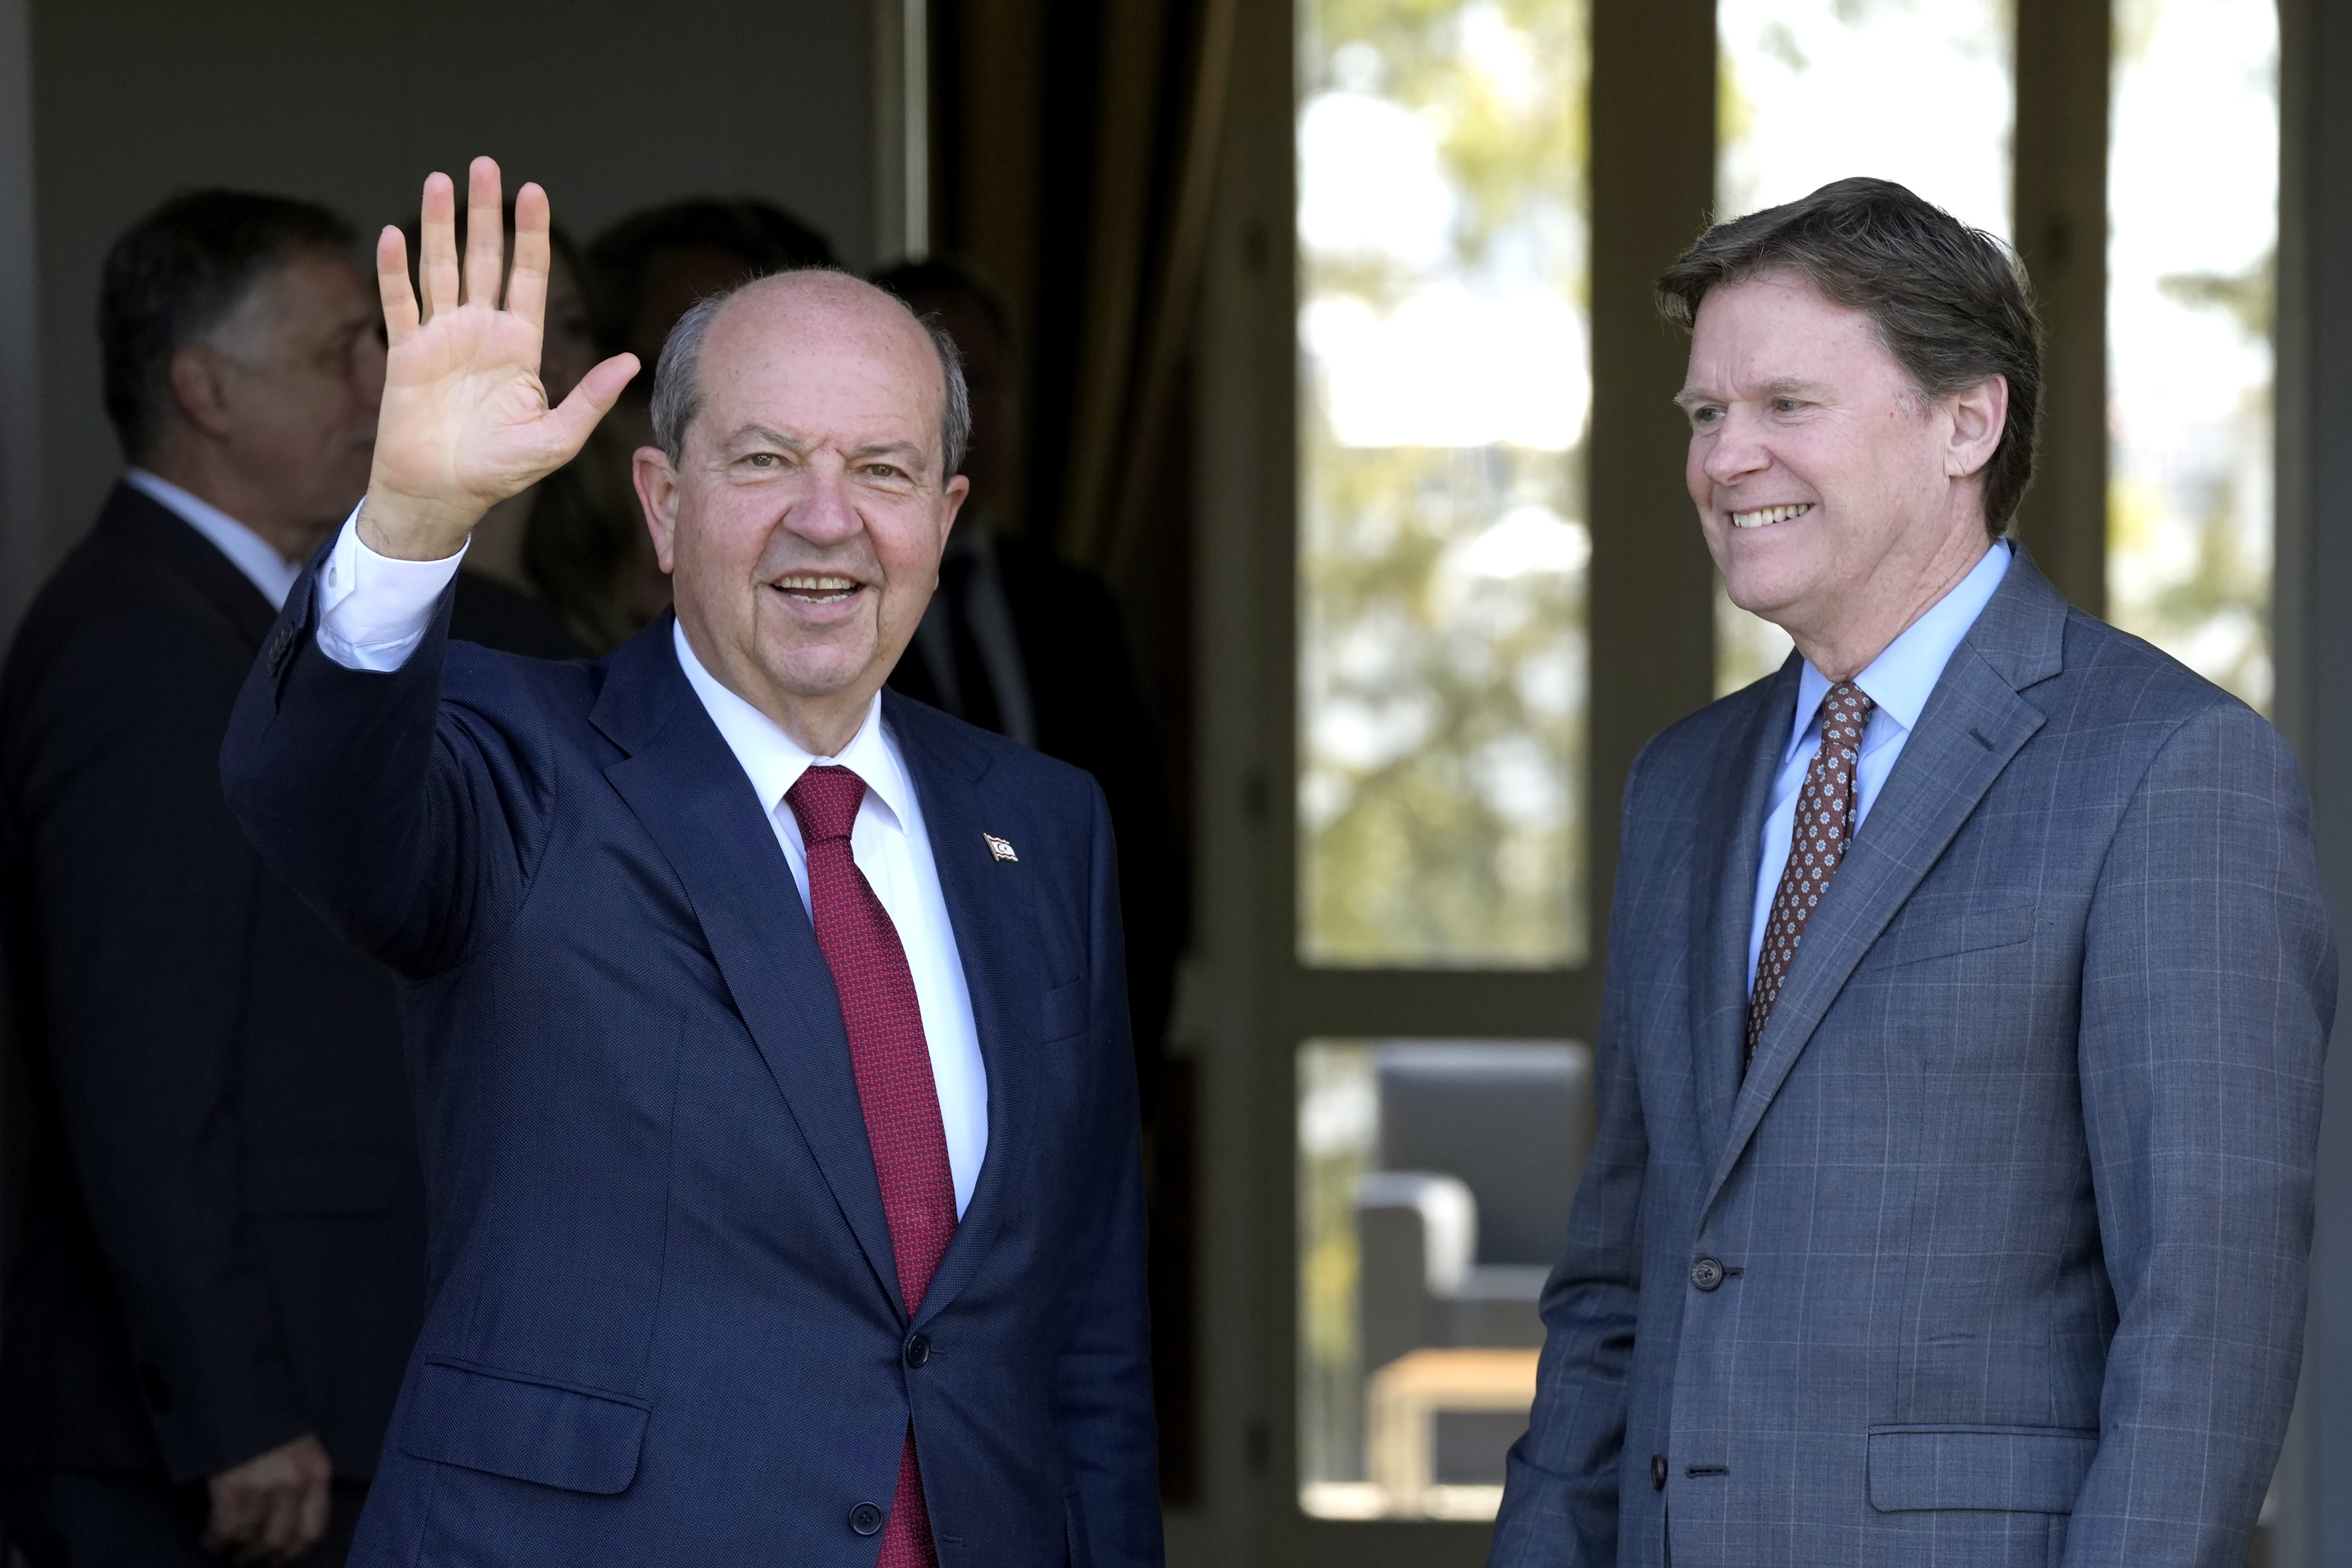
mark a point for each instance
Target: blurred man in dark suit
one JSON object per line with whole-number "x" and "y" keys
{"x": 215, "y": 1260}
{"x": 1019, "y": 641}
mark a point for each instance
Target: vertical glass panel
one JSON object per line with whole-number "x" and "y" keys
{"x": 2196, "y": 130}
{"x": 1919, "y": 92}
{"x": 1441, "y": 544}
{"x": 1434, "y": 1179}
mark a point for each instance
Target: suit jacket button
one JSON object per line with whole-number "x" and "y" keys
{"x": 866, "y": 1519}
{"x": 1707, "y": 1273}
{"x": 1657, "y": 1472}
{"x": 918, "y": 1350}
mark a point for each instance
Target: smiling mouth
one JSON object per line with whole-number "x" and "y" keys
{"x": 817, "y": 590}
{"x": 1762, "y": 516}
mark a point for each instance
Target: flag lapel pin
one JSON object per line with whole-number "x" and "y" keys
{"x": 999, "y": 847}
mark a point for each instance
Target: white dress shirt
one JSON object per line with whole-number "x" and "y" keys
{"x": 374, "y": 611}
{"x": 1898, "y": 681}
{"x": 246, "y": 551}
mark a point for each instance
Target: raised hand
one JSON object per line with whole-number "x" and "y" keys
{"x": 464, "y": 421}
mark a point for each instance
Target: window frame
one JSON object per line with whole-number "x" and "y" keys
{"x": 1650, "y": 620}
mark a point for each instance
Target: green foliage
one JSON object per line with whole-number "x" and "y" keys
{"x": 2189, "y": 570}
{"x": 1421, "y": 842}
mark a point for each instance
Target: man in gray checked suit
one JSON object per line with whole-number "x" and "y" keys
{"x": 1958, "y": 1075}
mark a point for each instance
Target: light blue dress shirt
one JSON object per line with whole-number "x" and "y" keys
{"x": 1898, "y": 681}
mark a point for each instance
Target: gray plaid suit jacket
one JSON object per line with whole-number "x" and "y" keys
{"x": 1997, "y": 1254}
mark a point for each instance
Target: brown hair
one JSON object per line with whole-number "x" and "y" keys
{"x": 1951, "y": 303}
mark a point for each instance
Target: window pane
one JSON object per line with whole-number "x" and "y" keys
{"x": 1918, "y": 91}
{"x": 1434, "y": 1178}
{"x": 1442, "y": 540}
{"x": 2188, "y": 332}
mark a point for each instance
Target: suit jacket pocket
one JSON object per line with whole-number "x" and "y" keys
{"x": 1944, "y": 932}
{"x": 496, "y": 1422}
{"x": 1063, "y": 1010}
{"x": 2020, "y": 1469}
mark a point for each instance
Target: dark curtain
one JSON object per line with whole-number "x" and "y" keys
{"x": 1076, "y": 145}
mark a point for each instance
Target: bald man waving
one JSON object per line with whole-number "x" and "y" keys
{"x": 768, "y": 1032}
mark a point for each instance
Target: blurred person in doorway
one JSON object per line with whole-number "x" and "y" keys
{"x": 654, "y": 266}
{"x": 218, "y": 1259}
{"x": 1020, "y": 641}
{"x": 586, "y": 547}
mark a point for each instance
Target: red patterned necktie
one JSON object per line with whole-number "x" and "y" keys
{"x": 1818, "y": 841}
{"x": 892, "y": 1064}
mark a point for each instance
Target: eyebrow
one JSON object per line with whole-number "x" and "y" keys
{"x": 1779, "y": 387}
{"x": 761, "y": 432}
{"x": 764, "y": 434}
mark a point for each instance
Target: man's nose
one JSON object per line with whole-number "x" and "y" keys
{"x": 1738, "y": 450}
{"x": 824, "y": 513}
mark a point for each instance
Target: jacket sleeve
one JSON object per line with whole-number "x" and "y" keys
{"x": 2209, "y": 987}
{"x": 1560, "y": 1495}
{"x": 1104, "y": 1376}
{"x": 411, "y": 823}
{"x": 146, "y": 889}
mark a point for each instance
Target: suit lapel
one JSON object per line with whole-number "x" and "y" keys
{"x": 145, "y": 523}
{"x": 691, "y": 794}
{"x": 1974, "y": 722}
{"x": 985, "y": 898}
{"x": 1723, "y": 909}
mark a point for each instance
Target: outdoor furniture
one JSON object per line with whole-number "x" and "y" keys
{"x": 1463, "y": 1215}
{"x": 1406, "y": 1397}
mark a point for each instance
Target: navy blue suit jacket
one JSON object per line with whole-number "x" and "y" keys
{"x": 664, "y": 1326}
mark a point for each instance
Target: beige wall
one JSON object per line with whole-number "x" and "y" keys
{"x": 609, "y": 105}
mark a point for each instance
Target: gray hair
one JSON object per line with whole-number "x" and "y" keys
{"x": 678, "y": 380}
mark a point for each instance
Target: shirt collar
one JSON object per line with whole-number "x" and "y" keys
{"x": 774, "y": 760}
{"x": 246, "y": 551}
{"x": 1900, "y": 679}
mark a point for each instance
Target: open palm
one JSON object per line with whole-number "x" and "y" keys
{"x": 464, "y": 421}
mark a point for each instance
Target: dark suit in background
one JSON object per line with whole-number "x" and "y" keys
{"x": 490, "y": 613}
{"x": 214, "y": 1236}
{"x": 1085, "y": 707}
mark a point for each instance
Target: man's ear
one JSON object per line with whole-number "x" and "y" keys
{"x": 1980, "y": 413}
{"x": 200, "y": 389}
{"x": 657, "y": 484}
{"x": 958, "y": 488}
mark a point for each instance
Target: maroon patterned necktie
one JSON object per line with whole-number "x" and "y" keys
{"x": 892, "y": 1064}
{"x": 1818, "y": 842}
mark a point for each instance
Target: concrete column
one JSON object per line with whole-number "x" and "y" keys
{"x": 2313, "y": 651}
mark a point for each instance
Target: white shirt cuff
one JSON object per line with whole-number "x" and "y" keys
{"x": 372, "y": 609}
